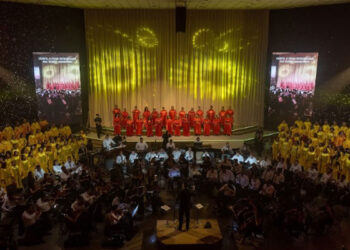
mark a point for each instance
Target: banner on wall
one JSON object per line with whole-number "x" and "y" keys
{"x": 57, "y": 83}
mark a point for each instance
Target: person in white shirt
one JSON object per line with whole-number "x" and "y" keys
{"x": 326, "y": 177}
{"x": 238, "y": 157}
{"x": 57, "y": 168}
{"x": 64, "y": 175}
{"x": 39, "y": 173}
{"x": 170, "y": 145}
{"x": 176, "y": 154}
{"x": 226, "y": 175}
{"x": 150, "y": 156}
{"x": 43, "y": 204}
{"x": 265, "y": 163}
{"x": 141, "y": 146}
{"x": 296, "y": 167}
{"x": 162, "y": 155}
{"x": 132, "y": 157}
{"x": 206, "y": 154}
{"x": 281, "y": 165}
{"x": 121, "y": 159}
{"x": 107, "y": 143}
{"x": 226, "y": 150}
{"x": 189, "y": 155}
{"x": 279, "y": 177}
{"x": 313, "y": 173}
{"x": 70, "y": 165}
{"x": 250, "y": 160}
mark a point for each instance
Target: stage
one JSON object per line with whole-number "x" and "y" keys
{"x": 237, "y": 139}
{"x": 197, "y": 236}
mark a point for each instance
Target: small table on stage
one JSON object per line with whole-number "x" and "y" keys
{"x": 168, "y": 235}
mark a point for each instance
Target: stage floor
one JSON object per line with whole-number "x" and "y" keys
{"x": 236, "y": 141}
{"x": 168, "y": 234}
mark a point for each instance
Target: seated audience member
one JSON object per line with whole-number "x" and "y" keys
{"x": 268, "y": 190}
{"x": 141, "y": 146}
{"x": 70, "y": 165}
{"x": 57, "y": 168}
{"x": 189, "y": 155}
{"x": 108, "y": 143}
{"x": 238, "y": 157}
{"x": 226, "y": 150}
{"x": 194, "y": 171}
{"x": 265, "y": 162}
{"x": 170, "y": 145}
{"x": 38, "y": 173}
{"x": 226, "y": 175}
{"x": 65, "y": 174}
{"x": 295, "y": 167}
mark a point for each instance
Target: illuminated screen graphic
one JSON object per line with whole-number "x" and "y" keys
{"x": 57, "y": 82}
{"x": 292, "y": 86}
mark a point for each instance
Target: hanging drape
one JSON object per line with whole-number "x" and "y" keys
{"x": 137, "y": 58}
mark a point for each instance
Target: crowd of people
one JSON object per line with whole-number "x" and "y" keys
{"x": 176, "y": 123}
{"x": 302, "y": 198}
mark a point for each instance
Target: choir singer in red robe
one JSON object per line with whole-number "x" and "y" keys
{"x": 185, "y": 126}
{"x": 149, "y": 128}
{"x": 191, "y": 116}
{"x": 222, "y": 115}
{"x": 206, "y": 126}
{"x": 211, "y": 113}
{"x": 159, "y": 125}
{"x": 135, "y": 114}
{"x": 129, "y": 127}
{"x": 230, "y": 112}
{"x": 146, "y": 114}
{"x": 117, "y": 124}
{"x": 139, "y": 126}
{"x": 228, "y": 125}
{"x": 116, "y": 111}
{"x": 182, "y": 113}
{"x": 124, "y": 118}
{"x": 169, "y": 125}
{"x": 177, "y": 127}
{"x": 172, "y": 113}
{"x": 216, "y": 125}
{"x": 163, "y": 115}
{"x": 200, "y": 113}
{"x": 197, "y": 125}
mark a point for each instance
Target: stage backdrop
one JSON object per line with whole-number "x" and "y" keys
{"x": 137, "y": 58}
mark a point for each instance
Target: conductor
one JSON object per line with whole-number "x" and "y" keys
{"x": 185, "y": 206}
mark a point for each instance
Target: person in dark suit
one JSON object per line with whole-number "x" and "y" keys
{"x": 98, "y": 122}
{"x": 185, "y": 205}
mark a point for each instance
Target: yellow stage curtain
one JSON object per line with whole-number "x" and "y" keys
{"x": 137, "y": 58}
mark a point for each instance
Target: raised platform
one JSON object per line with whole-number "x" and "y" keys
{"x": 197, "y": 236}
{"x": 236, "y": 140}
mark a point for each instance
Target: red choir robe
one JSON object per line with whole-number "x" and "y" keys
{"x": 169, "y": 126}
{"x": 117, "y": 125}
{"x": 146, "y": 115}
{"x": 185, "y": 127}
{"x": 129, "y": 127}
{"x": 124, "y": 118}
{"x": 177, "y": 127}
{"x": 135, "y": 115}
{"x": 154, "y": 116}
{"x": 216, "y": 126}
{"x": 206, "y": 127}
{"x": 116, "y": 111}
{"x": 230, "y": 112}
{"x": 200, "y": 113}
{"x": 149, "y": 128}
{"x": 191, "y": 116}
{"x": 197, "y": 126}
{"x": 159, "y": 125}
{"x": 163, "y": 115}
{"x": 182, "y": 114}
{"x": 211, "y": 114}
{"x": 228, "y": 126}
{"x": 222, "y": 115}
{"x": 172, "y": 114}
{"x": 139, "y": 125}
